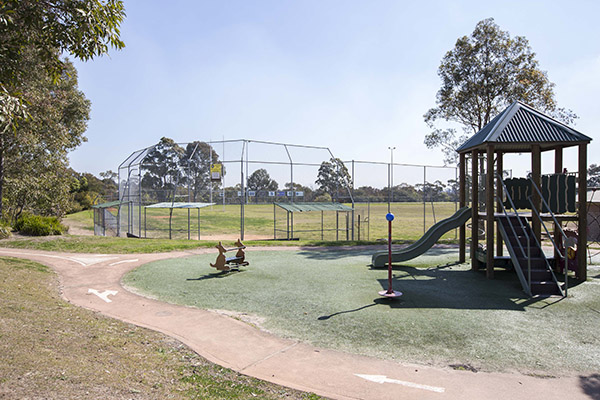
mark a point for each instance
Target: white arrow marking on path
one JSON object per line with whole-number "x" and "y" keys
{"x": 104, "y": 295}
{"x": 122, "y": 261}
{"x": 385, "y": 379}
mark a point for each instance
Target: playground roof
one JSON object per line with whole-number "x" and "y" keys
{"x": 107, "y": 205}
{"x": 518, "y": 127}
{"x": 179, "y": 205}
{"x": 302, "y": 207}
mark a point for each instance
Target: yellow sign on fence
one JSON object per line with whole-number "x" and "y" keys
{"x": 216, "y": 172}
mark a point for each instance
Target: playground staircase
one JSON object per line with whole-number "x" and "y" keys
{"x": 527, "y": 257}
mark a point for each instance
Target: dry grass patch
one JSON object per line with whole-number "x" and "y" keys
{"x": 52, "y": 349}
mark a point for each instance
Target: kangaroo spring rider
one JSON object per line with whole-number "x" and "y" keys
{"x": 234, "y": 263}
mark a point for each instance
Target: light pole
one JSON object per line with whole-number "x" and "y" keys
{"x": 391, "y": 177}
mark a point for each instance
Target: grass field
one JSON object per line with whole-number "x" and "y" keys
{"x": 225, "y": 220}
{"x": 448, "y": 314}
{"x": 50, "y": 349}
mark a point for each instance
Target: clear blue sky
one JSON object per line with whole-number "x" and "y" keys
{"x": 356, "y": 76}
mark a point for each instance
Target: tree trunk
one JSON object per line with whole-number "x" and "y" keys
{"x": 1, "y": 175}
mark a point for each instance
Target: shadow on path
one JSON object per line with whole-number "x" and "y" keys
{"x": 591, "y": 385}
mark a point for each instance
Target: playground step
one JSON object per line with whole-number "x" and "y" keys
{"x": 532, "y": 251}
{"x": 541, "y": 275}
{"x": 518, "y": 235}
{"x": 537, "y": 263}
{"x": 544, "y": 288}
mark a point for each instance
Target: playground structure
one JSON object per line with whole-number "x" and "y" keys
{"x": 522, "y": 129}
{"x": 556, "y": 198}
{"x": 225, "y": 264}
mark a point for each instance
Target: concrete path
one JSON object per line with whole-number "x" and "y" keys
{"x": 93, "y": 281}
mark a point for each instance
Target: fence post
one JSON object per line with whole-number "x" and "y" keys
{"x": 424, "y": 198}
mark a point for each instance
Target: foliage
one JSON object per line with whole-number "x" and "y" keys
{"x": 84, "y": 28}
{"x": 162, "y": 164}
{"x": 34, "y": 157}
{"x": 323, "y": 198}
{"x": 5, "y": 230}
{"x": 261, "y": 182}
{"x": 593, "y": 173}
{"x": 433, "y": 191}
{"x": 87, "y": 190}
{"x": 333, "y": 177}
{"x": 308, "y": 192}
{"x": 37, "y": 225}
{"x": 38, "y": 89}
{"x": 481, "y": 75}
{"x": 195, "y": 164}
{"x": 168, "y": 166}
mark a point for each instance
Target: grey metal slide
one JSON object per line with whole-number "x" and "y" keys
{"x": 427, "y": 240}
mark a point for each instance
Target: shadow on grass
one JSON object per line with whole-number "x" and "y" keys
{"x": 591, "y": 385}
{"x": 443, "y": 287}
{"x": 221, "y": 274}
{"x": 332, "y": 253}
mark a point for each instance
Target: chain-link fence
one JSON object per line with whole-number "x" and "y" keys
{"x": 256, "y": 174}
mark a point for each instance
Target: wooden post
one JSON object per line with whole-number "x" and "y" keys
{"x": 582, "y": 213}
{"x": 462, "y": 201}
{"x": 499, "y": 191}
{"x": 489, "y": 212}
{"x": 536, "y": 176}
{"x": 558, "y": 169}
{"x": 474, "y": 208}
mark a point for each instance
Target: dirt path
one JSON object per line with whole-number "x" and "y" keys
{"x": 93, "y": 281}
{"x": 77, "y": 228}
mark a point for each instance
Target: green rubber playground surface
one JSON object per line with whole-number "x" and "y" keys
{"x": 447, "y": 316}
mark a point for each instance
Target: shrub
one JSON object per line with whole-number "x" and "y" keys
{"x": 4, "y": 230}
{"x": 323, "y": 198}
{"x": 36, "y": 225}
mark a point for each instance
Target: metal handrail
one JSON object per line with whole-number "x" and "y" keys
{"x": 562, "y": 232}
{"x": 523, "y": 229}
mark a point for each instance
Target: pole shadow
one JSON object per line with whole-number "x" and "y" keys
{"x": 326, "y": 317}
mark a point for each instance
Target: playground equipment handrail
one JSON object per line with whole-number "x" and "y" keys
{"x": 528, "y": 255}
{"x": 554, "y": 245}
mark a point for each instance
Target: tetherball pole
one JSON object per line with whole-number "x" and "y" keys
{"x": 390, "y": 292}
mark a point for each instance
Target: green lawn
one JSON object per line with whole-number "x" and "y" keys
{"x": 448, "y": 315}
{"x": 409, "y": 223}
{"x": 84, "y": 219}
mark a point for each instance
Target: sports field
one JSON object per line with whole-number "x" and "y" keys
{"x": 412, "y": 219}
